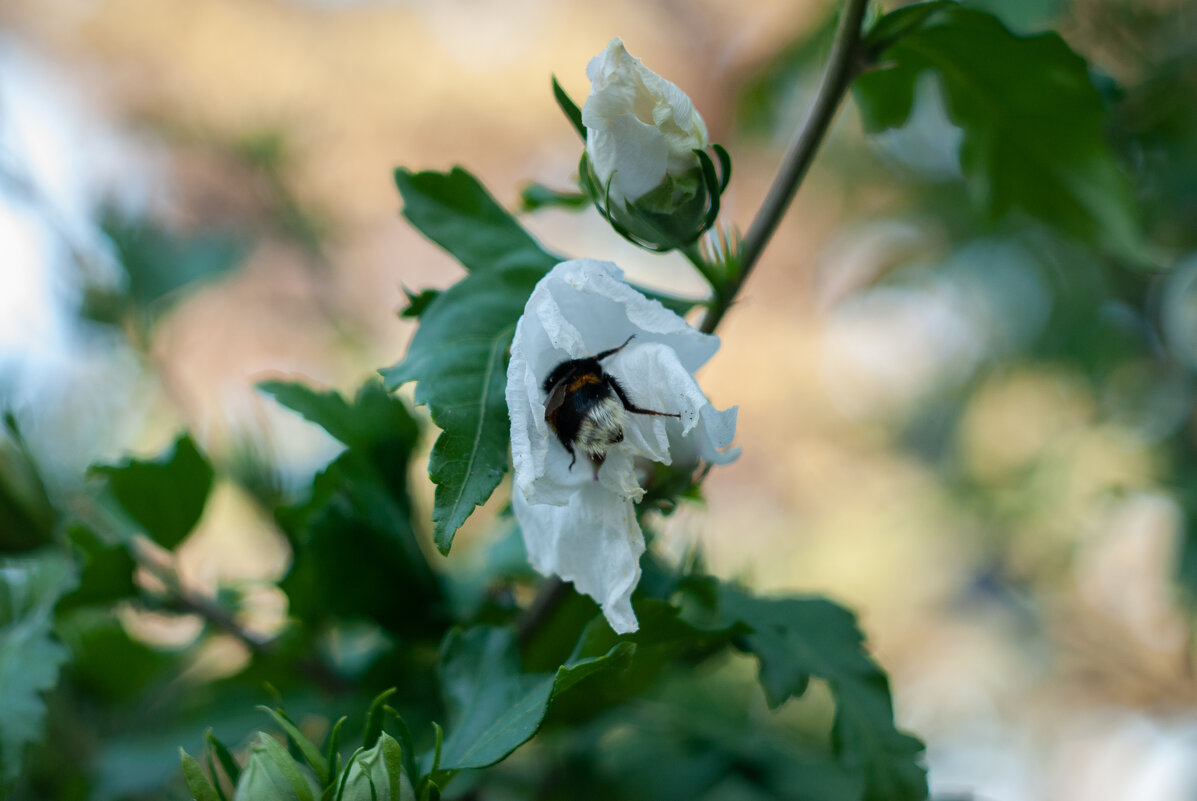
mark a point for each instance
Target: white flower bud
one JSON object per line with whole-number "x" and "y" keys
{"x": 641, "y": 131}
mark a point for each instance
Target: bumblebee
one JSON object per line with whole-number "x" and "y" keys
{"x": 587, "y": 408}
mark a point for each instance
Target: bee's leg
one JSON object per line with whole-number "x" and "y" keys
{"x": 631, "y": 407}
{"x": 613, "y": 351}
{"x": 574, "y": 456}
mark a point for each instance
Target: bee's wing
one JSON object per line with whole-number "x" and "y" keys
{"x": 555, "y": 400}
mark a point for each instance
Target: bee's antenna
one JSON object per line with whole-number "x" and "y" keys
{"x": 613, "y": 351}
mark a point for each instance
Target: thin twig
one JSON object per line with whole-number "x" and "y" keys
{"x": 842, "y": 66}
{"x": 160, "y": 564}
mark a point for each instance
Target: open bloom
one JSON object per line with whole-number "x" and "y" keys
{"x": 641, "y": 131}
{"x": 577, "y": 517}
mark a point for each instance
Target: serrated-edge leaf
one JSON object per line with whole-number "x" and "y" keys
{"x": 318, "y": 406}
{"x": 458, "y": 351}
{"x": 30, "y": 656}
{"x": 532, "y": 694}
{"x": 462, "y": 381}
{"x": 888, "y": 756}
{"x": 437, "y": 203}
{"x": 452, "y": 505}
{"x": 1092, "y": 200}
{"x": 197, "y": 782}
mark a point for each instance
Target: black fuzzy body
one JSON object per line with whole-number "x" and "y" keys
{"x": 582, "y": 394}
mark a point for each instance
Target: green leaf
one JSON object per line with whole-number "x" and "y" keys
{"x": 373, "y": 416}
{"x": 356, "y": 552}
{"x": 570, "y": 109}
{"x": 1031, "y": 118}
{"x": 797, "y": 638}
{"x": 107, "y": 664}
{"x": 456, "y": 212}
{"x": 493, "y": 706}
{"x": 377, "y": 774}
{"x": 27, "y": 516}
{"x": 165, "y": 496}
{"x": 900, "y": 22}
{"x": 272, "y": 775}
{"x": 197, "y": 781}
{"x": 30, "y": 657}
{"x": 159, "y": 263}
{"x": 417, "y": 302}
{"x": 107, "y": 576}
{"x": 459, "y": 353}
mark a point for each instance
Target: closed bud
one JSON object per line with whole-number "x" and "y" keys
{"x": 645, "y": 163}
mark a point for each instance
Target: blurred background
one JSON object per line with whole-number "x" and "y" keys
{"x": 976, "y": 434}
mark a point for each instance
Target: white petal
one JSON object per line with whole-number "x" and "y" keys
{"x": 594, "y": 541}
{"x": 653, "y": 378}
{"x": 597, "y": 310}
{"x": 631, "y": 155}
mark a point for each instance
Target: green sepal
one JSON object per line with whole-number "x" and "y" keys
{"x": 197, "y": 782}
{"x": 375, "y": 717}
{"x": 671, "y": 216}
{"x": 725, "y": 166}
{"x": 377, "y": 774}
{"x": 538, "y": 196}
{"x": 224, "y": 757}
{"x": 306, "y": 747}
{"x": 569, "y": 108}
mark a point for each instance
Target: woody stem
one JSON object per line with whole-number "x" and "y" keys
{"x": 845, "y": 62}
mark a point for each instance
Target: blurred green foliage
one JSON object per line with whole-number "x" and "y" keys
{"x": 1065, "y": 185}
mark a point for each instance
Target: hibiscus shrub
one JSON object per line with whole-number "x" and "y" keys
{"x": 399, "y": 678}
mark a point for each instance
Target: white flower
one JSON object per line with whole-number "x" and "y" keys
{"x": 640, "y": 128}
{"x": 578, "y": 521}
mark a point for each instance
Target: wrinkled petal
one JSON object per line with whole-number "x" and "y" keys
{"x": 594, "y": 541}
{"x": 582, "y": 308}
